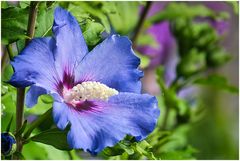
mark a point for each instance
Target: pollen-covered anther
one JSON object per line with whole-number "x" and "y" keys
{"x": 89, "y": 90}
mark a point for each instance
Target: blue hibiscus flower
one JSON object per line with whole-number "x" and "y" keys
{"x": 96, "y": 92}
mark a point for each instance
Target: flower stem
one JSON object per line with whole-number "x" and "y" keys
{"x": 36, "y": 123}
{"x": 167, "y": 109}
{"x": 21, "y": 91}
{"x": 165, "y": 119}
{"x": 140, "y": 22}
{"x": 19, "y": 115}
{"x": 32, "y": 20}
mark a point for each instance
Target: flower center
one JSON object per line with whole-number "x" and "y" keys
{"x": 89, "y": 90}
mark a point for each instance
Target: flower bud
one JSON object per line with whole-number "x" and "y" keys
{"x": 193, "y": 62}
{"x": 8, "y": 143}
{"x": 217, "y": 58}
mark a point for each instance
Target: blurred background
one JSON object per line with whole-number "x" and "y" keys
{"x": 159, "y": 43}
{"x": 216, "y": 135}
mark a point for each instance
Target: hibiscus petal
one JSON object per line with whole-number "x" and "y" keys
{"x": 60, "y": 114}
{"x": 32, "y": 95}
{"x": 113, "y": 63}
{"x": 35, "y": 65}
{"x": 35, "y": 91}
{"x": 70, "y": 44}
{"x": 106, "y": 123}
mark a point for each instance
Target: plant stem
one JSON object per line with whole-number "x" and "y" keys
{"x": 4, "y": 60}
{"x": 32, "y": 20}
{"x": 165, "y": 119}
{"x": 21, "y": 91}
{"x": 19, "y": 115}
{"x": 173, "y": 86}
{"x": 141, "y": 22}
{"x": 174, "y": 82}
{"x": 10, "y": 52}
{"x": 36, "y": 123}
{"x": 8, "y": 55}
{"x": 70, "y": 155}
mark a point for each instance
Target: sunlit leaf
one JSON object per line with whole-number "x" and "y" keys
{"x": 92, "y": 32}
{"x": 44, "y": 103}
{"x": 33, "y": 150}
{"x": 123, "y": 16}
{"x": 94, "y": 11}
{"x": 44, "y": 20}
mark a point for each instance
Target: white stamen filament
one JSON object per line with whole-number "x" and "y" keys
{"x": 89, "y": 90}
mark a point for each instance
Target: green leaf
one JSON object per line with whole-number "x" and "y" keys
{"x": 39, "y": 151}
{"x": 8, "y": 4}
{"x": 191, "y": 63}
{"x": 14, "y": 24}
{"x": 88, "y": 21}
{"x": 116, "y": 150}
{"x": 179, "y": 154}
{"x": 24, "y": 4}
{"x": 177, "y": 140}
{"x": 181, "y": 10}
{"x": 124, "y": 156}
{"x": 4, "y": 4}
{"x": 80, "y": 14}
{"x": 47, "y": 99}
{"x": 8, "y": 101}
{"x": 94, "y": 11}
{"x": 4, "y": 89}
{"x": 9, "y": 124}
{"x": 144, "y": 148}
{"x": 54, "y": 137}
{"x": 33, "y": 151}
{"x": 8, "y": 71}
{"x": 123, "y": 16}
{"x": 53, "y": 153}
{"x": 218, "y": 82}
{"x": 44, "y": 20}
{"x": 92, "y": 32}
{"x": 158, "y": 138}
{"x": 44, "y": 104}
{"x": 44, "y": 119}
{"x": 20, "y": 45}
{"x": 21, "y": 130}
{"x": 128, "y": 149}
{"x": 217, "y": 58}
